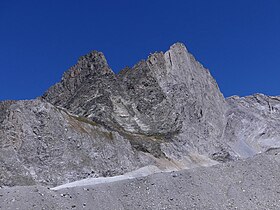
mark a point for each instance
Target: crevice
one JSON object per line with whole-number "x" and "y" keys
{"x": 170, "y": 58}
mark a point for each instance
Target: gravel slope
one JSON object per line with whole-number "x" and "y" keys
{"x": 244, "y": 184}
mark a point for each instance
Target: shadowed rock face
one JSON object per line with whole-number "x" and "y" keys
{"x": 86, "y": 88}
{"x": 4, "y": 105}
{"x": 165, "y": 111}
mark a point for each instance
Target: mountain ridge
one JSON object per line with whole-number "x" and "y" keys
{"x": 165, "y": 111}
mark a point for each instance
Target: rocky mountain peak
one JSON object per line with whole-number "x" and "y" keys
{"x": 166, "y": 111}
{"x": 166, "y": 95}
{"x": 90, "y": 69}
{"x": 89, "y": 65}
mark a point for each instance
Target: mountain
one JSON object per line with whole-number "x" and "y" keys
{"x": 165, "y": 112}
{"x": 170, "y": 95}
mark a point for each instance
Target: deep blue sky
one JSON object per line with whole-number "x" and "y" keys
{"x": 238, "y": 40}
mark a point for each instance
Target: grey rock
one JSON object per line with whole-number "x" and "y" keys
{"x": 253, "y": 124}
{"x": 4, "y": 105}
{"x": 170, "y": 95}
{"x": 43, "y": 144}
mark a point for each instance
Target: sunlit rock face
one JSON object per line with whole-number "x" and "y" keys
{"x": 253, "y": 124}
{"x": 40, "y": 143}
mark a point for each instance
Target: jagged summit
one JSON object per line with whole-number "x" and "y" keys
{"x": 93, "y": 56}
{"x": 94, "y": 60}
{"x": 91, "y": 63}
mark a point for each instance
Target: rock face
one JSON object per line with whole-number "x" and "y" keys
{"x": 253, "y": 124}
{"x": 165, "y": 111}
{"x": 170, "y": 95}
{"x": 44, "y": 144}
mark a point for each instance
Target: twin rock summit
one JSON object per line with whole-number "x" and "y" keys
{"x": 164, "y": 114}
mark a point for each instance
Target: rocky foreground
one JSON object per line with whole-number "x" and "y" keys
{"x": 167, "y": 114}
{"x": 244, "y": 184}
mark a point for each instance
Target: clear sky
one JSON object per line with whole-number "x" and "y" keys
{"x": 238, "y": 40}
